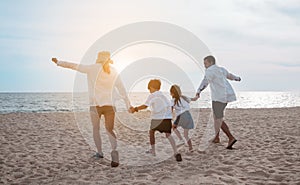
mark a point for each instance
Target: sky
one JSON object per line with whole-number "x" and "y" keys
{"x": 258, "y": 40}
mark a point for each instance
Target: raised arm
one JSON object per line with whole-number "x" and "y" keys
{"x": 233, "y": 77}
{"x": 78, "y": 67}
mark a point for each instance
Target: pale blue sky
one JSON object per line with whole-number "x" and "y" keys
{"x": 257, "y": 39}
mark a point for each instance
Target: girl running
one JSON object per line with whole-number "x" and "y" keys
{"x": 181, "y": 107}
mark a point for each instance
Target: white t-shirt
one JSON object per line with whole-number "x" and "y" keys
{"x": 160, "y": 106}
{"x": 221, "y": 89}
{"x": 101, "y": 85}
{"x": 182, "y": 106}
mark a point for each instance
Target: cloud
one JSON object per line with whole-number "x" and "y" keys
{"x": 242, "y": 34}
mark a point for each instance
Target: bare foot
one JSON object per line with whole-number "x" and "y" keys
{"x": 230, "y": 143}
{"x": 216, "y": 140}
{"x": 150, "y": 151}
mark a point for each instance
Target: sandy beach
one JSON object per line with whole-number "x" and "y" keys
{"x": 48, "y": 148}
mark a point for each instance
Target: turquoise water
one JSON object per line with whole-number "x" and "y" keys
{"x": 67, "y": 102}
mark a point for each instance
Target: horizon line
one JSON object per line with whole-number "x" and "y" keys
{"x": 2, "y": 92}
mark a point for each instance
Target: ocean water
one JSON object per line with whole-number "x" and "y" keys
{"x": 68, "y": 102}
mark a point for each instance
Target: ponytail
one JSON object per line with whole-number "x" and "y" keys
{"x": 104, "y": 59}
{"x": 106, "y": 66}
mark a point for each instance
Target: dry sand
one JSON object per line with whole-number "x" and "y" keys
{"x": 48, "y": 148}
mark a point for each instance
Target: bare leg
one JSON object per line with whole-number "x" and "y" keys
{"x": 96, "y": 127}
{"x": 152, "y": 137}
{"x": 217, "y": 123}
{"x": 188, "y": 140}
{"x": 225, "y": 129}
{"x": 217, "y": 138}
{"x": 177, "y": 133}
{"x": 152, "y": 141}
{"x": 227, "y": 132}
{"x": 172, "y": 142}
{"x": 109, "y": 125}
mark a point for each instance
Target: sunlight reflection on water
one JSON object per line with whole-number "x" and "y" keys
{"x": 62, "y": 102}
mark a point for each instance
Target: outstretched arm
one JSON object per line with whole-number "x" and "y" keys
{"x": 136, "y": 109}
{"x": 78, "y": 67}
{"x": 202, "y": 86}
{"x": 233, "y": 77}
{"x": 195, "y": 98}
{"x": 188, "y": 99}
{"x": 141, "y": 107}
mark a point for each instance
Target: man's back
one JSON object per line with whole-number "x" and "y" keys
{"x": 221, "y": 89}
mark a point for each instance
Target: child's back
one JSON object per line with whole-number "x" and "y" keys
{"x": 161, "y": 116}
{"x": 160, "y": 106}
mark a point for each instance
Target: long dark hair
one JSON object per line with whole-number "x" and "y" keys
{"x": 176, "y": 93}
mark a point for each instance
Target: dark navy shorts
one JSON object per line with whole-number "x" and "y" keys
{"x": 161, "y": 125}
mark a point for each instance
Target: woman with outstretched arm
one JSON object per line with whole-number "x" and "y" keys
{"x": 102, "y": 80}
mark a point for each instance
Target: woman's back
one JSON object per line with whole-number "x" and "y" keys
{"x": 101, "y": 84}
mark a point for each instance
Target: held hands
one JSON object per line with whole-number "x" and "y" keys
{"x": 197, "y": 96}
{"x": 132, "y": 110}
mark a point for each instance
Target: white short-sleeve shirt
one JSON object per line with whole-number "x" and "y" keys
{"x": 160, "y": 106}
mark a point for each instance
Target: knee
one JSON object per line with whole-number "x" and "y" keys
{"x": 109, "y": 127}
{"x": 109, "y": 130}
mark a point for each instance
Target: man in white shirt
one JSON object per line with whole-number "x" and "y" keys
{"x": 102, "y": 81}
{"x": 161, "y": 116}
{"x": 221, "y": 94}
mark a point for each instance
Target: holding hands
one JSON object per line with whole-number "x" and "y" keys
{"x": 136, "y": 109}
{"x": 133, "y": 109}
{"x": 197, "y": 96}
